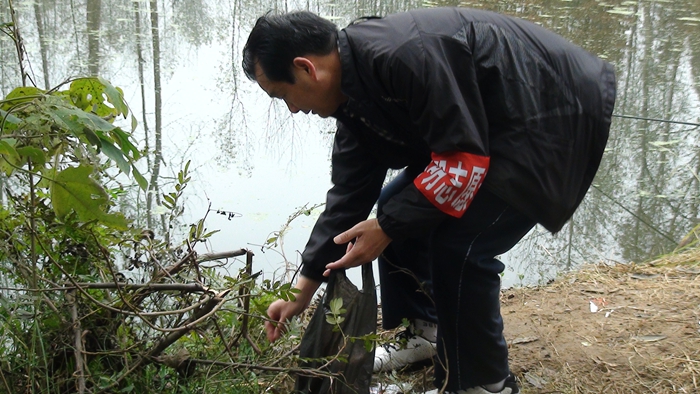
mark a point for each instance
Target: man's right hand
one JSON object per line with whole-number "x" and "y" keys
{"x": 281, "y": 311}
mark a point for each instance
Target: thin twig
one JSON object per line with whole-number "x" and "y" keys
{"x": 244, "y": 291}
{"x": 183, "y": 287}
{"x": 95, "y": 301}
{"x": 79, "y": 370}
{"x": 167, "y": 271}
{"x": 223, "y": 339}
{"x": 301, "y": 371}
{"x": 204, "y": 312}
{"x": 286, "y": 355}
{"x": 4, "y": 381}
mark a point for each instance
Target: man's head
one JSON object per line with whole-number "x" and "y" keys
{"x": 294, "y": 57}
{"x": 277, "y": 39}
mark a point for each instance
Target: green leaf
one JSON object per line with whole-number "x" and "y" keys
{"x": 87, "y": 119}
{"x": 22, "y": 94}
{"x": 169, "y": 199}
{"x": 87, "y": 94}
{"x": 52, "y": 322}
{"x": 143, "y": 183}
{"x": 47, "y": 175}
{"x": 74, "y": 190}
{"x": 8, "y": 154}
{"x": 285, "y": 292}
{"x": 65, "y": 120}
{"x": 81, "y": 124}
{"x": 193, "y": 230}
{"x": 114, "y": 96}
{"x": 336, "y": 305}
{"x": 105, "y": 381}
{"x": 209, "y": 234}
{"x": 7, "y": 146}
{"x": 122, "y": 139}
{"x": 196, "y": 230}
{"x": 115, "y": 154}
{"x": 92, "y": 137}
{"x": 36, "y": 155}
{"x": 8, "y": 122}
{"x": 369, "y": 345}
{"x": 200, "y": 228}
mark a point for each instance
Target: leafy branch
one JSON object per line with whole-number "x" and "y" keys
{"x": 335, "y": 317}
{"x": 46, "y": 133}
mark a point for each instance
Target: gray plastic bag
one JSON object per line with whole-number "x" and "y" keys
{"x": 319, "y": 340}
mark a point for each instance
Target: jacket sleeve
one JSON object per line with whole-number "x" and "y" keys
{"x": 436, "y": 80}
{"x": 357, "y": 181}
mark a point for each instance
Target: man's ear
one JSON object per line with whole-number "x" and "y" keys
{"x": 305, "y": 65}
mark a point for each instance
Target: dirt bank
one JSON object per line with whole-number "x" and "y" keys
{"x": 604, "y": 329}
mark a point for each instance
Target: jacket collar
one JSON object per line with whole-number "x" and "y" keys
{"x": 350, "y": 83}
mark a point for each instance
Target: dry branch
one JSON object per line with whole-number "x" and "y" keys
{"x": 206, "y": 310}
{"x": 221, "y": 256}
{"x": 185, "y": 287}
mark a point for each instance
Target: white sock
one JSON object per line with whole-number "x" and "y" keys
{"x": 425, "y": 329}
{"x": 495, "y": 387}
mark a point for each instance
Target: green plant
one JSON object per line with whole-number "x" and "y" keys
{"x": 275, "y": 240}
{"x": 51, "y": 141}
{"x": 335, "y": 317}
{"x": 88, "y": 301}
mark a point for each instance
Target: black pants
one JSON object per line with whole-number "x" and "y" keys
{"x": 453, "y": 278}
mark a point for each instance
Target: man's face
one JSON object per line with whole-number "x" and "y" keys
{"x": 305, "y": 94}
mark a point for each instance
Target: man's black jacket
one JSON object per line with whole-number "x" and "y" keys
{"x": 518, "y": 102}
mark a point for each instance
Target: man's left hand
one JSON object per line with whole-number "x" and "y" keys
{"x": 370, "y": 242}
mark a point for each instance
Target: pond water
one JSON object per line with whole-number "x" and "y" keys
{"x": 252, "y": 157}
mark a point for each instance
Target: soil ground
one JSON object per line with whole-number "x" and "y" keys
{"x": 632, "y": 328}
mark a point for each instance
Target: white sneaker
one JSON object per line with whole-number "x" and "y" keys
{"x": 476, "y": 390}
{"x": 400, "y": 388}
{"x": 407, "y": 349}
{"x": 510, "y": 386}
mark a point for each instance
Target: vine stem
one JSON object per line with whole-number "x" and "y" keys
{"x": 32, "y": 250}
{"x": 18, "y": 42}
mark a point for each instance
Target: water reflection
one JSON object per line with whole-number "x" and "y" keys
{"x": 255, "y": 158}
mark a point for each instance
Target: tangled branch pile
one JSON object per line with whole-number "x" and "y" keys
{"x": 92, "y": 302}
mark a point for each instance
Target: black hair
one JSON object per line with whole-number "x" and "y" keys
{"x": 276, "y": 40}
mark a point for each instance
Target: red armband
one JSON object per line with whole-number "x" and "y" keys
{"x": 452, "y": 179}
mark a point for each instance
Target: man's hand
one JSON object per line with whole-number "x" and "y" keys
{"x": 371, "y": 241}
{"x": 281, "y": 311}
